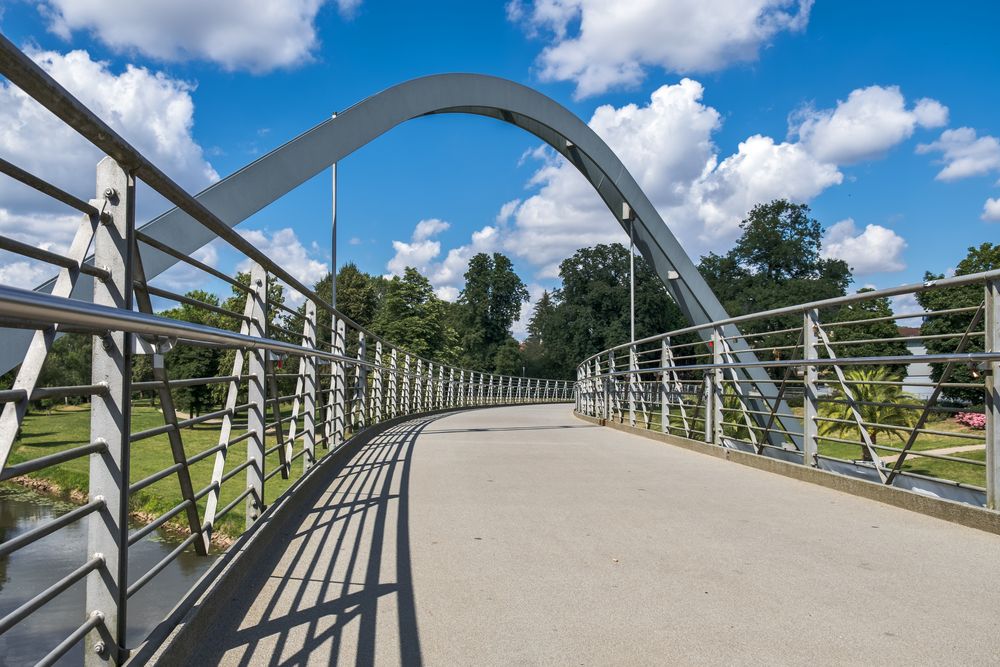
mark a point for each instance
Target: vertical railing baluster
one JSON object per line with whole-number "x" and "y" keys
{"x": 418, "y": 387}
{"x": 992, "y": 388}
{"x": 810, "y": 352}
{"x": 361, "y": 384}
{"x": 256, "y": 396}
{"x": 110, "y": 419}
{"x": 718, "y": 387}
{"x": 309, "y": 388}
{"x": 665, "y": 361}
{"x": 633, "y": 383}
{"x": 339, "y": 383}
{"x": 377, "y": 385}
{"x": 394, "y": 384}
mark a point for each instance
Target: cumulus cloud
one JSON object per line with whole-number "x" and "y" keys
{"x": 991, "y": 210}
{"x": 424, "y": 254}
{"x": 601, "y": 45}
{"x": 254, "y": 35}
{"x": 876, "y": 249}
{"x": 667, "y": 145}
{"x": 287, "y": 251}
{"x": 964, "y": 154}
{"x": 865, "y": 125}
{"x": 153, "y": 111}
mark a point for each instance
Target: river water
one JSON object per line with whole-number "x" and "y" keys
{"x": 32, "y": 569}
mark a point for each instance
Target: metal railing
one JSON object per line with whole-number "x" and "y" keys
{"x": 300, "y": 381}
{"x": 889, "y": 415}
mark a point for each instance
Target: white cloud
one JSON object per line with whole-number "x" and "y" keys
{"x": 428, "y": 228}
{"x": 904, "y": 304}
{"x": 667, "y": 145}
{"x": 877, "y": 249}
{"x": 964, "y": 154}
{"x": 254, "y": 35}
{"x": 991, "y": 210}
{"x": 152, "y": 111}
{"x": 287, "y": 251}
{"x": 870, "y": 122}
{"x": 601, "y": 45}
{"x": 182, "y": 278}
{"x": 422, "y": 253}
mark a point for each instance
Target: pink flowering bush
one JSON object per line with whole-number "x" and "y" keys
{"x": 976, "y": 420}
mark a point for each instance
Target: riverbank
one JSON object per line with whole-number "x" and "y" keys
{"x": 63, "y": 427}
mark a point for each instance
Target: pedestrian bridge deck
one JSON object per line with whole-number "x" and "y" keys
{"x": 522, "y": 535}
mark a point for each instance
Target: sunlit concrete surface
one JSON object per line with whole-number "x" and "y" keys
{"x": 525, "y": 536}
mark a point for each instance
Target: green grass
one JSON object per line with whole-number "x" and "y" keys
{"x": 959, "y": 472}
{"x": 47, "y": 432}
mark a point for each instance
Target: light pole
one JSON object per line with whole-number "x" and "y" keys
{"x": 629, "y": 216}
{"x": 333, "y": 253}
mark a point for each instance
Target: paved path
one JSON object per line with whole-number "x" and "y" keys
{"x": 943, "y": 451}
{"x": 524, "y": 536}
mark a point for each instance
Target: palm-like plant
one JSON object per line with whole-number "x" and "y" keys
{"x": 878, "y": 404}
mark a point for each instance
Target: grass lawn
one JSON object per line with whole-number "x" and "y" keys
{"x": 959, "y": 472}
{"x": 64, "y": 427}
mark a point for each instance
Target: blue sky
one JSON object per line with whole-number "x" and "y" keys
{"x": 882, "y": 116}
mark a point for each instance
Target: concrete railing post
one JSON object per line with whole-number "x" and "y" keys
{"x": 256, "y": 396}
{"x": 633, "y": 383}
{"x": 338, "y": 382}
{"x": 309, "y": 387}
{"x": 110, "y": 419}
{"x": 810, "y": 352}
{"x": 718, "y": 387}
{"x": 992, "y": 386}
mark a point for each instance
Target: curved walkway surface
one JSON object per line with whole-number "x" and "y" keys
{"x": 524, "y": 536}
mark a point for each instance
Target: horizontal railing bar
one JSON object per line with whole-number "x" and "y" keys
{"x": 93, "y": 620}
{"x": 187, "y": 259}
{"x": 166, "y": 560}
{"x": 47, "y": 188}
{"x": 798, "y": 309}
{"x": 154, "y": 478}
{"x": 42, "y": 255}
{"x": 182, "y": 298}
{"x": 235, "y": 471}
{"x": 22, "y": 612}
{"x": 233, "y": 503}
{"x": 902, "y": 316}
{"x": 158, "y": 521}
{"x": 25, "y": 467}
{"x": 189, "y": 382}
{"x": 35, "y": 534}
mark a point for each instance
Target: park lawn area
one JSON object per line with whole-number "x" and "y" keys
{"x": 964, "y": 473}
{"x": 959, "y": 472}
{"x": 47, "y": 432}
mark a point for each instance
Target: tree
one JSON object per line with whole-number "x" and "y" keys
{"x": 877, "y": 403}
{"x": 534, "y": 353}
{"x": 507, "y": 360}
{"x": 985, "y": 257}
{"x": 877, "y": 332}
{"x": 192, "y": 361}
{"x": 358, "y": 293}
{"x": 591, "y": 311}
{"x": 776, "y": 262}
{"x": 489, "y": 303}
{"x": 412, "y": 317}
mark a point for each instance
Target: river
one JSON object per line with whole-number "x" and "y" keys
{"x": 37, "y": 566}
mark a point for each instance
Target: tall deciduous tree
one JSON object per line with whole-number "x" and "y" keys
{"x": 412, "y": 317}
{"x": 776, "y": 262}
{"x": 489, "y": 304}
{"x": 985, "y": 257}
{"x": 591, "y": 309}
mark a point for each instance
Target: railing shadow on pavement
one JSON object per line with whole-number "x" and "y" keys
{"x": 316, "y": 588}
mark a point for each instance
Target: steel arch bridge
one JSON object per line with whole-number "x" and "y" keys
{"x": 635, "y": 552}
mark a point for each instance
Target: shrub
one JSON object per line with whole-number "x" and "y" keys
{"x": 976, "y": 420}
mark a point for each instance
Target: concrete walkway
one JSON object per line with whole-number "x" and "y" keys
{"x": 524, "y": 536}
